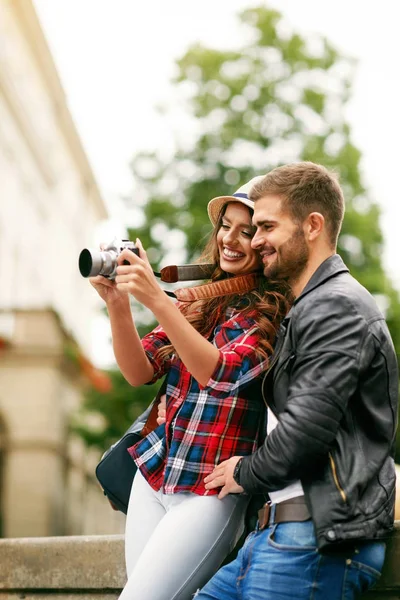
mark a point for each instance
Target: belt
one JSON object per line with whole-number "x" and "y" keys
{"x": 294, "y": 509}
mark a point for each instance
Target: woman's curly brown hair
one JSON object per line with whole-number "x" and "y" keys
{"x": 267, "y": 304}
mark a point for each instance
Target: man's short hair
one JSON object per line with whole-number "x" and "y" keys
{"x": 305, "y": 187}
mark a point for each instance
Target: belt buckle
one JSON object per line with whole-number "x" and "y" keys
{"x": 266, "y": 512}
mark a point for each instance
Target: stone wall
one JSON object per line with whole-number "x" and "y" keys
{"x": 92, "y": 567}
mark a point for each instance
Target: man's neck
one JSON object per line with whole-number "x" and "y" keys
{"x": 297, "y": 285}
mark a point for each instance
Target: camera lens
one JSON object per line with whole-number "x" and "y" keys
{"x": 93, "y": 262}
{"x": 85, "y": 263}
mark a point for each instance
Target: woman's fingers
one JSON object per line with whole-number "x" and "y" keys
{"x": 142, "y": 252}
{"x": 100, "y": 280}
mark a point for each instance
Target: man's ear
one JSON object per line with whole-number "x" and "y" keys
{"x": 314, "y": 226}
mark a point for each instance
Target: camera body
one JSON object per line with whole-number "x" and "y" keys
{"x": 104, "y": 262}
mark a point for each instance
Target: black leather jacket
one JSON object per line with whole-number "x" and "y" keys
{"x": 334, "y": 388}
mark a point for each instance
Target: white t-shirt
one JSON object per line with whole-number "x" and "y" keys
{"x": 294, "y": 489}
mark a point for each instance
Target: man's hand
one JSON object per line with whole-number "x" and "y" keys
{"x": 222, "y": 477}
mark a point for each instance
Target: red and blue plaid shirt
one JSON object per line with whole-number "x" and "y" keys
{"x": 204, "y": 424}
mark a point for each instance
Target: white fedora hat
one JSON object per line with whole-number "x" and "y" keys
{"x": 241, "y": 195}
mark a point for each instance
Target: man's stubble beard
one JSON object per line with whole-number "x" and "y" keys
{"x": 291, "y": 260}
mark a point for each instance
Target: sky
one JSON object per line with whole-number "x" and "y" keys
{"x": 115, "y": 59}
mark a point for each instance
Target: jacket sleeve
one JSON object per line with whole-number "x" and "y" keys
{"x": 330, "y": 338}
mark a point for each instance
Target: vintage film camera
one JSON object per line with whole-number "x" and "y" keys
{"x": 104, "y": 262}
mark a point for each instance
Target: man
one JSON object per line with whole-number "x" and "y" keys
{"x": 332, "y": 392}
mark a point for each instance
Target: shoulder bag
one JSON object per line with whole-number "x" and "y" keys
{"x": 116, "y": 469}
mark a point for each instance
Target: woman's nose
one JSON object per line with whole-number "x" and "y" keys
{"x": 230, "y": 237}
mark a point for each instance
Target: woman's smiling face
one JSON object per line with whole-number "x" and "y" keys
{"x": 234, "y": 236}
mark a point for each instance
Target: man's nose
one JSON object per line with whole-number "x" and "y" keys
{"x": 256, "y": 241}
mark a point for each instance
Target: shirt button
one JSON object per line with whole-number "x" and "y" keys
{"x": 331, "y": 535}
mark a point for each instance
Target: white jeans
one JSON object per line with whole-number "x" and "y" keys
{"x": 175, "y": 543}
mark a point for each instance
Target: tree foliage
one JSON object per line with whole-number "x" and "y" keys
{"x": 105, "y": 416}
{"x": 278, "y": 98}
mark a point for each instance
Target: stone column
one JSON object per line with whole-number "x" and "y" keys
{"x": 35, "y": 400}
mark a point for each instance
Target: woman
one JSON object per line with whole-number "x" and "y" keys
{"x": 213, "y": 349}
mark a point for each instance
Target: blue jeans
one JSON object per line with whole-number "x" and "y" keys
{"x": 282, "y": 562}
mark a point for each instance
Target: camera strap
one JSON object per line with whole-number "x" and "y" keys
{"x": 232, "y": 285}
{"x": 174, "y": 273}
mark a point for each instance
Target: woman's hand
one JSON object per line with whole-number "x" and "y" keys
{"x": 162, "y": 410}
{"x": 129, "y": 354}
{"x": 106, "y": 288}
{"x": 137, "y": 278}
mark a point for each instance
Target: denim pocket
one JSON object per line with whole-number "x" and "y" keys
{"x": 364, "y": 570}
{"x": 358, "y": 579}
{"x": 293, "y": 536}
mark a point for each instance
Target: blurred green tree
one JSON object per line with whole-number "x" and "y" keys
{"x": 278, "y": 98}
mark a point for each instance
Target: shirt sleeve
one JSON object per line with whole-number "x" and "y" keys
{"x": 239, "y": 363}
{"x": 152, "y": 343}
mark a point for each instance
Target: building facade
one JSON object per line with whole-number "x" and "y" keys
{"x": 50, "y": 206}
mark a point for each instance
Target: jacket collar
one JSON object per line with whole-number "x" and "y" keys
{"x": 331, "y": 267}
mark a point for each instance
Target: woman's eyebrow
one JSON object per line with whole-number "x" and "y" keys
{"x": 249, "y": 225}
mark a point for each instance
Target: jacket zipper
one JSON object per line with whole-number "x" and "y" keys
{"x": 336, "y": 480}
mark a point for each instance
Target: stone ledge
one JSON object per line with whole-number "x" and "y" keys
{"x": 75, "y": 563}
{"x": 87, "y": 567}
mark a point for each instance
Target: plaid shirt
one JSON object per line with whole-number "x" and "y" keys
{"x": 204, "y": 424}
